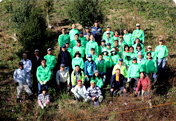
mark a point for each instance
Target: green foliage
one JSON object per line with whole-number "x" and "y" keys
{"x": 85, "y": 12}
{"x": 31, "y": 27}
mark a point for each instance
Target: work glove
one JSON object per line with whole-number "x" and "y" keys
{"x": 42, "y": 107}
{"x": 44, "y": 82}
{"x": 41, "y": 82}
{"x": 17, "y": 84}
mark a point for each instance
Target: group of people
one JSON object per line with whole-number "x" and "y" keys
{"x": 94, "y": 60}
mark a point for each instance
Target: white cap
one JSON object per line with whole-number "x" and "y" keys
{"x": 137, "y": 25}
{"x": 107, "y": 32}
{"x": 139, "y": 53}
{"x": 104, "y": 50}
{"x": 49, "y": 49}
{"x": 149, "y": 46}
{"x": 36, "y": 50}
{"x": 113, "y": 49}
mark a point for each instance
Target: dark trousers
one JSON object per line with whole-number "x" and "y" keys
{"x": 133, "y": 83}
{"x": 87, "y": 81}
{"x": 40, "y": 87}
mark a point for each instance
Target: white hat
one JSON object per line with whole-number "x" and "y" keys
{"x": 36, "y": 50}
{"x": 107, "y": 32}
{"x": 139, "y": 53}
{"x": 49, "y": 49}
{"x": 113, "y": 49}
{"x": 137, "y": 25}
{"x": 104, "y": 50}
{"x": 149, "y": 46}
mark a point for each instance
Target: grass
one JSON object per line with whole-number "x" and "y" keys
{"x": 62, "y": 107}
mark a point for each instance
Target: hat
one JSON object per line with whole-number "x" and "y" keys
{"x": 120, "y": 59}
{"x": 103, "y": 40}
{"x": 104, "y": 50}
{"x": 62, "y": 65}
{"x": 36, "y": 50}
{"x": 113, "y": 49}
{"x": 87, "y": 27}
{"x": 81, "y": 32}
{"x": 107, "y": 32}
{"x": 121, "y": 36}
{"x": 96, "y": 71}
{"x": 49, "y": 49}
{"x": 67, "y": 43}
{"x": 161, "y": 40}
{"x": 20, "y": 63}
{"x": 44, "y": 89}
{"x": 92, "y": 49}
{"x": 137, "y": 25}
{"x": 108, "y": 44}
{"x": 89, "y": 56}
{"x": 108, "y": 26}
{"x": 149, "y": 46}
{"x": 139, "y": 53}
{"x": 134, "y": 58}
{"x": 63, "y": 46}
{"x": 79, "y": 81}
{"x": 92, "y": 81}
{"x": 79, "y": 41}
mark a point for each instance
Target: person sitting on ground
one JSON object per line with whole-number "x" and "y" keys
{"x": 118, "y": 83}
{"x": 20, "y": 81}
{"x": 94, "y": 94}
{"x": 63, "y": 78}
{"x": 43, "y": 98}
{"x": 76, "y": 75}
{"x": 79, "y": 91}
{"x": 43, "y": 75}
{"x": 77, "y": 60}
{"x": 98, "y": 79}
{"x": 89, "y": 68}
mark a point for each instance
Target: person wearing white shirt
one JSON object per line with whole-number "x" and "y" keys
{"x": 20, "y": 81}
{"x": 27, "y": 65}
{"x": 63, "y": 78}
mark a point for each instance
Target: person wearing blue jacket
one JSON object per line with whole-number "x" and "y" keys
{"x": 117, "y": 83}
{"x": 97, "y": 32}
{"x": 89, "y": 68}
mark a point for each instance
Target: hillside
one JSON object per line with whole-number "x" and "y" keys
{"x": 158, "y": 20}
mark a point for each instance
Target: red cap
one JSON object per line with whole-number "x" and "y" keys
{"x": 79, "y": 81}
{"x": 121, "y": 36}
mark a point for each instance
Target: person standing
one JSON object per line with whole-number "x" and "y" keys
{"x": 83, "y": 39}
{"x": 63, "y": 38}
{"x": 27, "y": 64}
{"x": 92, "y": 44}
{"x": 97, "y": 32}
{"x": 127, "y": 37}
{"x": 111, "y": 32}
{"x": 79, "y": 48}
{"x": 72, "y": 32}
{"x": 87, "y": 33}
{"x": 43, "y": 75}
{"x": 36, "y": 62}
{"x": 108, "y": 38}
{"x": 161, "y": 53}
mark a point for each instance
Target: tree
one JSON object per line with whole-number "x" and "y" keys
{"x": 30, "y": 26}
{"x": 48, "y": 7}
{"x": 84, "y": 12}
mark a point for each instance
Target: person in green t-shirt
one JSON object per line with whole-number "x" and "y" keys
{"x": 79, "y": 48}
{"x": 102, "y": 46}
{"x": 63, "y": 38}
{"x": 127, "y": 56}
{"x": 72, "y": 32}
{"x": 74, "y": 41}
{"x": 127, "y": 37}
{"x": 132, "y": 54}
{"x": 77, "y": 60}
{"x": 139, "y": 49}
{"x": 94, "y": 55}
{"x": 116, "y": 35}
{"x": 153, "y": 54}
{"x": 114, "y": 56}
{"x": 111, "y": 32}
{"x": 83, "y": 39}
{"x": 98, "y": 79}
{"x": 108, "y": 46}
{"x": 161, "y": 53}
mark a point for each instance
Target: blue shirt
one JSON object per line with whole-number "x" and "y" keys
{"x": 97, "y": 32}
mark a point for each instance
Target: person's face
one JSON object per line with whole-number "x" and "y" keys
{"x": 81, "y": 35}
{"x": 87, "y": 30}
{"x": 36, "y": 53}
{"x": 24, "y": 56}
{"x": 100, "y": 58}
{"x": 137, "y": 27}
{"x": 96, "y": 74}
{"x": 117, "y": 72}
{"x": 76, "y": 37}
{"x": 121, "y": 39}
{"x": 134, "y": 61}
{"x": 91, "y": 37}
{"x": 116, "y": 33}
{"x": 49, "y": 52}
{"x": 115, "y": 43}
{"x": 108, "y": 47}
{"x": 108, "y": 29}
{"x": 63, "y": 31}
{"x": 62, "y": 68}
{"x": 92, "y": 85}
{"x": 140, "y": 56}
{"x": 125, "y": 31}
{"x": 149, "y": 49}
{"x": 77, "y": 68}
{"x": 67, "y": 45}
{"x": 77, "y": 55}
{"x": 21, "y": 67}
{"x": 92, "y": 52}
{"x": 88, "y": 38}
{"x": 96, "y": 24}
{"x": 73, "y": 26}
{"x": 138, "y": 48}
{"x": 160, "y": 42}
{"x": 63, "y": 49}
{"x": 131, "y": 49}
{"x": 79, "y": 84}
{"x": 120, "y": 62}
{"x": 102, "y": 43}
{"x": 108, "y": 35}
{"x": 44, "y": 92}
{"x": 79, "y": 44}
{"x": 43, "y": 63}
{"x": 137, "y": 41}
{"x": 148, "y": 56}
{"x": 126, "y": 48}
{"x": 142, "y": 75}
